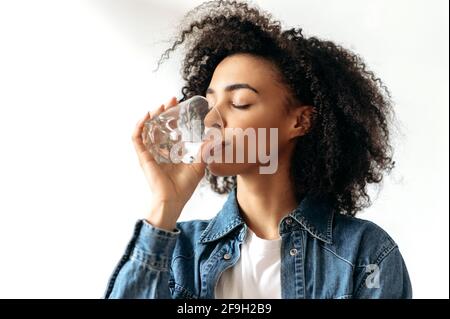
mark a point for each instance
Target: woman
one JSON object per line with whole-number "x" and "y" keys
{"x": 291, "y": 233}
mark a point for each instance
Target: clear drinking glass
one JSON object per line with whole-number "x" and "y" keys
{"x": 176, "y": 135}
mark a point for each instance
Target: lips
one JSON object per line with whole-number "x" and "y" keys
{"x": 220, "y": 145}
{"x": 212, "y": 148}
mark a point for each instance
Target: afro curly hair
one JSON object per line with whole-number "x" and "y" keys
{"x": 348, "y": 146}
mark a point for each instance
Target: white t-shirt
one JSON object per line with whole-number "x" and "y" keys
{"x": 256, "y": 274}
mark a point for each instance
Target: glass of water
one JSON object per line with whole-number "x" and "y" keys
{"x": 176, "y": 135}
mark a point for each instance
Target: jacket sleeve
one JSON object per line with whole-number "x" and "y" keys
{"x": 387, "y": 278}
{"x": 144, "y": 270}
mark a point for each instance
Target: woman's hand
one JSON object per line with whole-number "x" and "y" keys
{"x": 171, "y": 184}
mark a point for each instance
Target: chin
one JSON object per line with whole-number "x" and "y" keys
{"x": 229, "y": 169}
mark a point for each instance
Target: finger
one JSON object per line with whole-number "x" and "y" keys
{"x": 144, "y": 155}
{"x": 140, "y": 123}
{"x": 171, "y": 103}
{"x": 157, "y": 111}
{"x": 137, "y": 132}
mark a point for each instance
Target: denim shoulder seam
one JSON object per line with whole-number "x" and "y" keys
{"x": 384, "y": 252}
{"x": 337, "y": 256}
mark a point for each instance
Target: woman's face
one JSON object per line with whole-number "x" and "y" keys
{"x": 246, "y": 92}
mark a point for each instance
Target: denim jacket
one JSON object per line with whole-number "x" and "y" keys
{"x": 324, "y": 254}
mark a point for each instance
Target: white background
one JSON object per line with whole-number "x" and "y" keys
{"x": 75, "y": 77}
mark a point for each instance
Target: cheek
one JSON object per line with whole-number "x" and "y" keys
{"x": 266, "y": 128}
{"x": 264, "y": 118}
{"x": 269, "y": 142}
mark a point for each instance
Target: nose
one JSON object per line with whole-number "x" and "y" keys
{"x": 214, "y": 119}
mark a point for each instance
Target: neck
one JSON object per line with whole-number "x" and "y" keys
{"x": 264, "y": 200}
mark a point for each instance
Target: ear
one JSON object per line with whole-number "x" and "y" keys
{"x": 301, "y": 120}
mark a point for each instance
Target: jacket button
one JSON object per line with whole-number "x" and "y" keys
{"x": 293, "y": 252}
{"x": 227, "y": 256}
{"x": 289, "y": 221}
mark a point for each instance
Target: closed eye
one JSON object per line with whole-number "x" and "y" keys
{"x": 243, "y": 106}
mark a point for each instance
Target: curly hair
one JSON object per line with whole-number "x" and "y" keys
{"x": 348, "y": 145}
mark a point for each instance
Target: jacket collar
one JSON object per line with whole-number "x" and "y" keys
{"x": 225, "y": 221}
{"x": 314, "y": 214}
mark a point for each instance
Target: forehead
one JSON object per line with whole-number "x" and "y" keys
{"x": 244, "y": 68}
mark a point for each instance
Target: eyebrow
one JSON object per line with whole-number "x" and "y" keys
{"x": 235, "y": 86}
